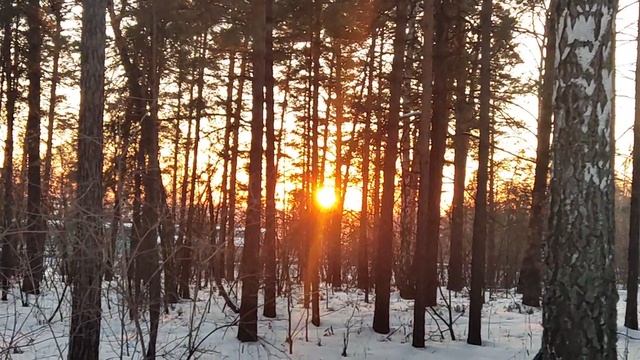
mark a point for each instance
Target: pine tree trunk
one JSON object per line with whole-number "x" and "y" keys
{"x": 384, "y": 250}
{"x": 84, "y": 333}
{"x": 363, "y": 244}
{"x": 9, "y": 240}
{"x": 35, "y": 234}
{"x": 631, "y": 311}
{"x": 314, "y": 228}
{"x": 464, "y": 114}
{"x": 580, "y": 293}
{"x": 153, "y": 189}
{"x": 424, "y": 135}
{"x": 184, "y": 291}
{"x": 480, "y": 219}
{"x": 439, "y": 128}
{"x": 409, "y": 160}
{"x": 230, "y": 252}
{"x": 531, "y": 271}
{"x": 55, "y": 79}
{"x": 271, "y": 176}
{"x": 250, "y": 267}
{"x": 492, "y": 256}
{"x": 187, "y": 255}
{"x": 224, "y": 208}
{"x": 335, "y": 241}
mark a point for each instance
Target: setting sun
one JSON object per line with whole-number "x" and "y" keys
{"x": 326, "y": 197}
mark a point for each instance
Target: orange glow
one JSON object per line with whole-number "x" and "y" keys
{"x": 326, "y": 197}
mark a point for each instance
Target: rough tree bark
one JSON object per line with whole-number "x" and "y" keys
{"x": 580, "y": 297}
{"x": 480, "y": 218}
{"x": 230, "y": 248}
{"x": 270, "y": 235}
{"x": 363, "y": 245}
{"x": 384, "y": 249}
{"x": 631, "y": 311}
{"x": 250, "y": 267}
{"x": 9, "y": 244}
{"x": 531, "y": 270}
{"x": 439, "y": 128}
{"x": 35, "y": 231}
{"x": 314, "y": 251}
{"x": 424, "y": 135}
{"x": 186, "y": 260}
{"x": 224, "y": 207}
{"x": 464, "y": 114}
{"x": 335, "y": 246}
{"x": 84, "y": 333}
{"x": 56, "y": 10}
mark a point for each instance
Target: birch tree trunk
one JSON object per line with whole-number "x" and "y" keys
{"x": 580, "y": 295}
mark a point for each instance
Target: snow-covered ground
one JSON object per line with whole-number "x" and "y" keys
{"x": 509, "y": 330}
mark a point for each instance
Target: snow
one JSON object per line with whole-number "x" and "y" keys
{"x": 510, "y": 330}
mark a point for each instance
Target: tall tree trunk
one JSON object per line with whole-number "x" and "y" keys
{"x": 409, "y": 160}
{"x": 422, "y": 245}
{"x": 56, "y": 10}
{"x": 250, "y": 267}
{"x": 184, "y": 192}
{"x": 224, "y": 211}
{"x": 492, "y": 256}
{"x": 270, "y": 209}
{"x": 9, "y": 240}
{"x": 84, "y": 333}
{"x": 464, "y": 115}
{"x": 335, "y": 250}
{"x": 384, "y": 249}
{"x": 187, "y": 257}
{"x": 363, "y": 245}
{"x": 440, "y": 123}
{"x": 580, "y": 295}
{"x": 480, "y": 218}
{"x": 36, "y": 227}
{"x": 230, "y": 249}
{"x": 631, "y": 311}
{"x": 152, "y": 208}
{"x": 314, "y": 228}
{"x": 177, "y": 135}
{"x": 531, "y": 271}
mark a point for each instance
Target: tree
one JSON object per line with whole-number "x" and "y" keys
{"x": 270, "y": 209}
{"x": 84, "y": 342}
{"x": 531, "y": 272}
{"x": 9, "y": 70}
{"x": 631, "y": 311}
{"x": 464, "y": 115}
{"x": 58, "y": 42}
{"x": 580, "y": 295}
{"x": 384, "y": 249}
{"x": 480, "y": 218}
{"x": 36, "y": 228}
{"x": 230, "y": 251}
{"x": 250, "y": 268}
{"x": 423, "y": 192}
{"x": 363, "y": 244}
{"x": 440, "y": 123}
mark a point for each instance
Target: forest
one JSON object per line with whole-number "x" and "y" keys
{"x": 319, "y": 179}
